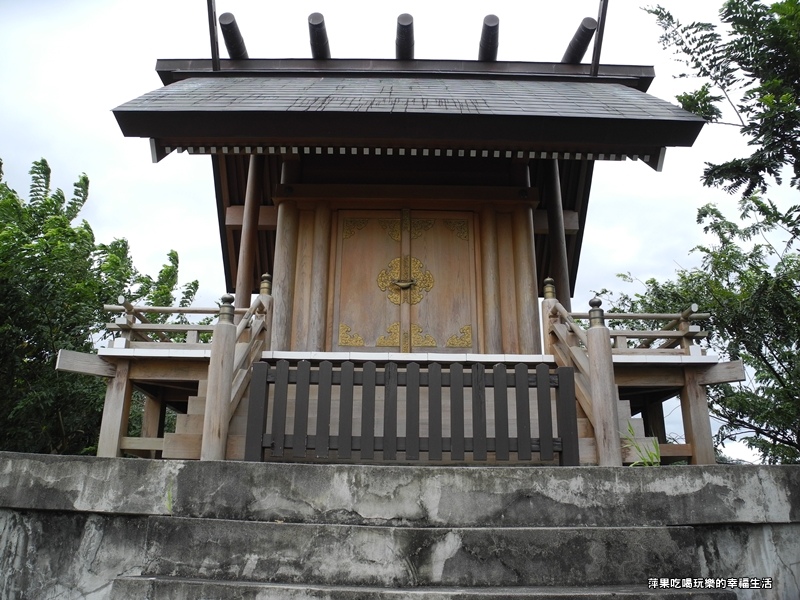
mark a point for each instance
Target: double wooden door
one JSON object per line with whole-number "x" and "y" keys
{"x": 405, "y": 281}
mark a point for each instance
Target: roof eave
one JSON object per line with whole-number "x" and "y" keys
{"x": 637, "y": 77}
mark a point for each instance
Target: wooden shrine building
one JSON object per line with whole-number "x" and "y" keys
{"x": 409, "y": 212}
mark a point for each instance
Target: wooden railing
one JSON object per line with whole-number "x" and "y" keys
{"x": 234, "y": 349}
{"x": 135, "y": 330}
{"x": 231, "y": 350}
{"x": 397, "y": 392}
{"x": 675, "y": 337}
{"x": 592, "y": 352}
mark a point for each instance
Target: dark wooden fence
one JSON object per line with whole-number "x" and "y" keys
{"x": 278, "y": 386}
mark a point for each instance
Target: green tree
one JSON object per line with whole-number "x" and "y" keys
{"x": 54, "y": 280}
{"x": 748, "y": 279}
{"x": 753, "y": 296}
{"x": 752, "y": 61}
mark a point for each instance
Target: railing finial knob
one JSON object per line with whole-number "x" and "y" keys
{"x": 226, "y": 309}
{"x": 266, "y": 285}
{"x": 596, "y": 314}
{"x": 549, "y": 289}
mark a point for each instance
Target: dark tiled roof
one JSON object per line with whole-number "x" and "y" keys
{"x": 408, "y": 95}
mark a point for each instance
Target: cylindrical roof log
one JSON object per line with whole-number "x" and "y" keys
{"x": 490, "y": 38}
{"x": 318, "y": 36}
{"x": 232, "y": 36}
{"x": 404, "y": 42}
{"x": 580, "y": 42}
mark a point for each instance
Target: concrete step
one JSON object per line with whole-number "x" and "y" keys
{"x": 474, "y": 496}
{"x": 411, "y": 556}
{"x": 166, "y": 588}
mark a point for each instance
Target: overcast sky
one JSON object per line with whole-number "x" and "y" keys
{"x": 65, "y": 64}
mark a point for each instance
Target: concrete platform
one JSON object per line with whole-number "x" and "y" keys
{"x": 78, "y": 527}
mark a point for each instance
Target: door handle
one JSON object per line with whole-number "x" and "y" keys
{"x": 404, "y": 285}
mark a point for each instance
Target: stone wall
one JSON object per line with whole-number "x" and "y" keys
{"x": 70, "y": 525}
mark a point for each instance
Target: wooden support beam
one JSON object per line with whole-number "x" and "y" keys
{"x": 284, "y": 275}
{"x": 541, "y": 227}
{"x": 267, "y": 217}
{"x": 724, "y": 372}
{"x": 508, "y": 282}
{"x": 492, "y": 326}
{"x": 116, "y": 410}
{"x": 248, "y": 246}
{"x": 558, "y": 242}
{"x": 142, "y": 444}
{"x": 526, "y": 282}
{"x": 696, "y": 422}
{"x": 653, "y": 416}
{"x": 319, "y": 278}
{"x": 158, "y": 369}
{"x": 84, "y": 363}
{"x": 458, "y": 193}
{"x": 656, "y": 377}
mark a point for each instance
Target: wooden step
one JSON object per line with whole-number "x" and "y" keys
{"x": 187, "y": 446}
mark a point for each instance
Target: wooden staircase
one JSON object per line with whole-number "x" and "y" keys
{"x": 187, "y": 439}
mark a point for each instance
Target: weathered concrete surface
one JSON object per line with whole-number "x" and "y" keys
{"x": 481, "y": 496}
{"x": 430, "y": 496}
{"x": 147, "y": 588}
{"x": 409, "y": 556}
{"x": 87, "y": 483}
{"x": 70, "y": 525}
{"x": 754, "y": 551}
{"x": 67, "y": 556}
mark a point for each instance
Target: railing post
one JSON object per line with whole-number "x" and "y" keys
{"x": 604, "y": 392}
{"x": 220, "y": 381}
{"x": 547, "y": 306}
{"x": 265, "y": 291}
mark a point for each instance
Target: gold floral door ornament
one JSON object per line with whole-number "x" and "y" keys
{"x": 406, "y": 283}
{"x": 419, "y": 339}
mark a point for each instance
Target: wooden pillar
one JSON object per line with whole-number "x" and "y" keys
{"x": 604, "y": 392}
{"x": 319, "y": 278}
{"x": 116, "y": 410}
{"x": 220, "y": 382}
{"x": 283, "y": 280}
{"x": 559, "y": 268}
{"x": 526, "y": 278}
{"x": 696, "y": 422}
{"x": 507, "y": 279}
{"x": 492, "y": 333}
{"x": 653, "y": 417}
{"x": 249, "y": 240}
{"x": 153, "y": 417}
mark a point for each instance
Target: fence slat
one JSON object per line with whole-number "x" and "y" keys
{"x": 323, "y": 431}
{"x": 368, "y": 411}
{"x": 435, "y": 411}
{"x": 545, "y": 412}
{"x": 479, "y": 411}
{"x": 294, "y": 383}
{"x": 257, "y": 412}
{"x": 301, "y": 409}
{"x": 567, "y": 417}
{"x": 346, "y": 411}
{"x": 523, "y": 412}
{"x": 457, "y": 411}
{"x": 279, "y": 416}
{"x": 500, "y": 412}
{"x": 390, "y": 413}
{"x": 412, "y": 411}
